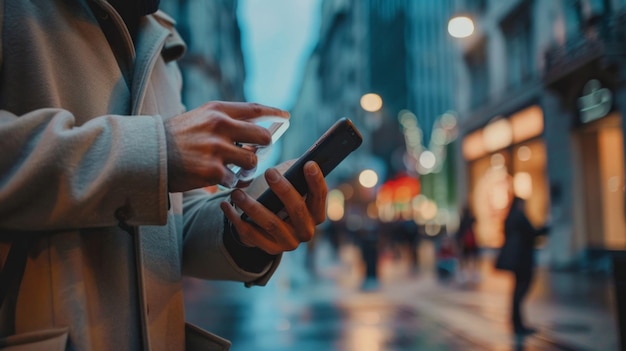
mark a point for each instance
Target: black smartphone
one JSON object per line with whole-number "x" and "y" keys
{"x": 328, "y": 151}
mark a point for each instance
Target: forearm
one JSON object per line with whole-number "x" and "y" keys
{"x": 57, "y": 175}
{"x": 210, "y": 251}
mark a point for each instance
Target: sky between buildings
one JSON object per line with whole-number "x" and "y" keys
{"x": 278, "y": 37}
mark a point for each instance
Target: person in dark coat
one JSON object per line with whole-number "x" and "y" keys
{"x": 468, "y": 246}
{"x": 517, "y": 256}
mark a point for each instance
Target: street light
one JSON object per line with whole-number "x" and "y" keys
{"x": 371, "y": 102}
{"x": 460, "y": 27}
{"x": 368, "y": 178}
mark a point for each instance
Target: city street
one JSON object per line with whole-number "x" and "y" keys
{"x": 331, "y": 309}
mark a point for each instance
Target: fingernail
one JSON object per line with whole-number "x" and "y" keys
{"x": 272, "y": 175}
{"x": 311, "y": 169}
{"x": 237, "y": 196}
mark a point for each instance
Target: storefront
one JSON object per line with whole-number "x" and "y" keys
{"x": 506, "y": 157}
{"x": 585, "y": 148}
{"x": 599, "y": 139}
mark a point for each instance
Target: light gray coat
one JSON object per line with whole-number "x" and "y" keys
{"x": 82, "y": 149}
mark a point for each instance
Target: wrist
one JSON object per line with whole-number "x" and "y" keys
{"x": 251, "y": 259}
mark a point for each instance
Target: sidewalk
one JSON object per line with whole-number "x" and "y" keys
{"x": 572, "y": 311}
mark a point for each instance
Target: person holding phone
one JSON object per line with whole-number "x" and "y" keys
{"x": 101, "y": 170}
{"x": 517, "y": 256}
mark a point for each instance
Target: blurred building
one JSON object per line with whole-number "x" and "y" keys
{"x": 541, "y": 106}
{"x": 398, "y": 50}
{"x": 213, "y": 66}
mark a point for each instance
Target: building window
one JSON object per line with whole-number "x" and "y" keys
{"x": 573, "y": 18}
{"x": 517, "y": 31}
{"x": 476, "y": 61}
{"x": 477, "y": 6}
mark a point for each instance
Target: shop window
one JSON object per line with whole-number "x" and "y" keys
{"x": 495, "y": 178}
{"x": 602, "y": 167}
{"x": 529, "y": 179}
{"x": 520, "y": 59}
{"x": 611, "y": 154}
{"x": 490, "y": 185}
{"x": 507, "y": 157}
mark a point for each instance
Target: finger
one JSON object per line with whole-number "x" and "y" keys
{"x": 318, "y": 191}
{"x": 233, "y": 130}
{"x": 249, "y": 133}
{"x": 246, "y": 110}
{"x": 240, "y": 156}
{"x": 254, "y": 236}
{"x": 295, "y": 205}
{"x": 268, "y": 232}
{"x": 250, "y": 235}
{"x": 247, "y": 233}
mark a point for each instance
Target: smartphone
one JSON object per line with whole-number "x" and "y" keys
{"x": 328, "y": 151}
{"x": 277, "y": 126}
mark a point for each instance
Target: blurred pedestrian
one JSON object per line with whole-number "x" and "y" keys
{"x": 406, "y": 238}
{"x": 468, "y": 246}
{"x": 517, "y": 256}
{"x": 446, "y": 257}
{"x": 102, "y": 209}
{"x": 367, "y": 237}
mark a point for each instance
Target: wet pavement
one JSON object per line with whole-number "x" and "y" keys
{"x": 332, "y": 308}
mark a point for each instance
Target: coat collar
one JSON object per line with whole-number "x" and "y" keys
{"x": 156, "y": 38}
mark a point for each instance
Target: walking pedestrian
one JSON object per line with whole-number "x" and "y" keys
{"x": 101, "y": 170}
{"x": 468, "y": 246}
{"x": 446, "y": 257}
{"x": 517, "y": 256}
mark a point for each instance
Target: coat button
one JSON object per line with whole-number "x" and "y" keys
{"x": 124, "y": 213}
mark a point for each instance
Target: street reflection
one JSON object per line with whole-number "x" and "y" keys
{"x": 407, "y": 310}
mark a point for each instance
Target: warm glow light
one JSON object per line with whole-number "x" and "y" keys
{"x": 439, "y": 137}
{"x": 527, "y": 124}
{"x": 497, "y": 160}
{"x": 448, "y": 120}
{"x": 407, "y": 119}
{"x": 371, "y": 102}
{"x": 428, "y": 160}
{"x": 524, "y": 153}
{"x": 428, "y": 210}
{"x": 347, "y": 190}
{"x": 473, "y": 146}
{"x": 386, "y": 213}
{"x": 523, "y": 185}
{"x": 432, "y": 229}
{"x": 335, "y": 207}
{"x": 368, "y": 178}
{"x": 461, "y": 27}
{"x": 497, "y": 134}
{"x": 372, "y": 211}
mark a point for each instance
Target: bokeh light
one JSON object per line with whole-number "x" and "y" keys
{"x": 371, "y": 102}
{"x": 368, "y": 178}
{"x": 335, "y": 206}
{"x": 461, "y": 27}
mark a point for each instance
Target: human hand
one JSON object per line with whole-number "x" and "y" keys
{"x": 270, "y": 233}
{"x": 201, "y": 142}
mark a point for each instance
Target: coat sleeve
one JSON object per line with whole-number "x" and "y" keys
{"x": 56, "y": 175}
{"x": 204, "y": 253}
